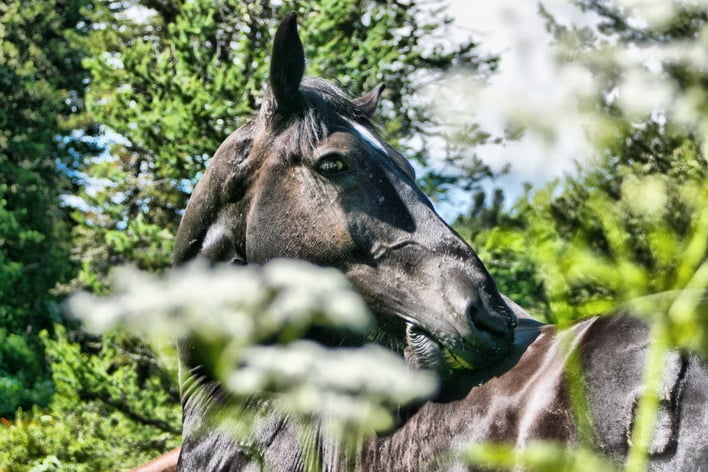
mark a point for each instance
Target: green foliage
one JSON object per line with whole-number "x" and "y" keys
{"x": 630, "y": 224}
{"x": 630, "y": 231}
{"x": 43, "y": 137}
{"x": 645, "y": 252}
{"x": 23, "y": 378}
{"x": 497, "y": 235}
{"x": 115, "y": 407}
{"x": 541, "y": 456}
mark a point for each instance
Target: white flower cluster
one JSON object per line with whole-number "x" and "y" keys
{"x": 346, "y": 386}
{"x": 251, "y": 320}
{"x": 242, "y": 304}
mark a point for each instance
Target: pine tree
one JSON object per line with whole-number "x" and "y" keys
{"x": 43, "y": 137}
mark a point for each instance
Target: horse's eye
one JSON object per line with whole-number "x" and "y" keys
{"x": 331, "y": 164}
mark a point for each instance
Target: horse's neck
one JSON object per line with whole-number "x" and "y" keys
{"x": 522, "y": 399}
{"x": 485, "y": 404}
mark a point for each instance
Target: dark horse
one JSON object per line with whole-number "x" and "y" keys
{"x": 310, "y": 179}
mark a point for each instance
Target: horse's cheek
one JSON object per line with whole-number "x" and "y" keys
{"x": 305, "y": 227}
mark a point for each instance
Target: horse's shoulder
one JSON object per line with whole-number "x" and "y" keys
{"x": 614, "y": 359}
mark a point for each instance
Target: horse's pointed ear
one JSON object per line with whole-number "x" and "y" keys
{"x": 287, "y": 67}
{"x": 368, "y": 102}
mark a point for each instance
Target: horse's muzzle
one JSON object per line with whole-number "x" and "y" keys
{"x": 477, "y": 340}
{"x": 490, "y": 335}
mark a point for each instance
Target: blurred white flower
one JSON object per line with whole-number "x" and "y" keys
{"x": 646, "y": 196}
{"x": 544, "y": 86}
{"x": 232, "y": 311}
{"x": 642, "y": 92}
{"x": 339, "y": 384}
{"x": 228, "y": 302}
{"x": 652, "y": 12}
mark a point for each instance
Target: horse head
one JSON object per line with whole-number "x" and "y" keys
{"x": 309, "y": 178}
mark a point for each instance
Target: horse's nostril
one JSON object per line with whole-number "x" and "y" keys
{"x": 483, "y": 320}
{"x": 471, "y": 311}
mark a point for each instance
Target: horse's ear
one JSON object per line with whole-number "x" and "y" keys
{"x": 287, "y": 66}
{"x": 368, "y": 102}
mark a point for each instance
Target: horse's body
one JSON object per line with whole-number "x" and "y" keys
{"x": 310, "y": 179}
{"x": 524, "y": 398}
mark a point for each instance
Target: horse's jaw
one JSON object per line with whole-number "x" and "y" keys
{"x": 438, "y": 321}
{"x": 440, "y": 353}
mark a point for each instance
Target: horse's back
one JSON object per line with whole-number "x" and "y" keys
{"x": 532, "y": 401}
{"x": 692, "y": 421}
{"x": 525, "y": 399}
{"x": 614, "y": 361}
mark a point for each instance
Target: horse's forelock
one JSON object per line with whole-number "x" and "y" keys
{"x": 325, "y": 107}
{"x": 329, "y": 104}
{"x": 327, "y": 99}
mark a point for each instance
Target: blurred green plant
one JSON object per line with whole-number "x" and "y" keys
{"x": 628, "y": 231}
{"x": 659, "y": 274}
{"x": 645, "y": 252}
{"x": 544, "y": 456}
{"x": 115, "y": 406}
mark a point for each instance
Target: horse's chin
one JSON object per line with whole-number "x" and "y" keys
{"x": 424, "y": 351}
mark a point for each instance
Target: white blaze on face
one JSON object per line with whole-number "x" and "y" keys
{"x": 367, "y": 136}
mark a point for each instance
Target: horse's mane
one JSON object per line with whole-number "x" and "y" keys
{"x": 324, "y": 108}
{"x": 323, "y": 97}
